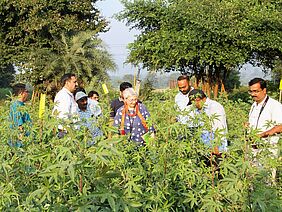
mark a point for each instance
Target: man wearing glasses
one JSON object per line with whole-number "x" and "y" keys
{"x": 265, "y": 116}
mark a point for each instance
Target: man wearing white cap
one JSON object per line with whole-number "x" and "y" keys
{"x": 87, "y": 118}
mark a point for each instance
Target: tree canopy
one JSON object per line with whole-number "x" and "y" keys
{"x": 204, "y": 38}
{"x": 35, "y": 33}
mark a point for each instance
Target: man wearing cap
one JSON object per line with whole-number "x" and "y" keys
{"x": 216, "y": 115}
{"x": 86, "y": 117}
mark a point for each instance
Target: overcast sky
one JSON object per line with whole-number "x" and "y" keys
{"x": 118, "y": 36}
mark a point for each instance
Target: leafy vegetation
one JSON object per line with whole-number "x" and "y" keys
{"x": 170, "y": 174}
{"x": 46, "y": 39}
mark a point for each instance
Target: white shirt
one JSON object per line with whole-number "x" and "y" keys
{"x": 270, "y": 116}
{"x": 216, "y": 113}
{"x": 181, "y": 101}
{"x": 211, "y": 108}
{"x": 65, "y": 105}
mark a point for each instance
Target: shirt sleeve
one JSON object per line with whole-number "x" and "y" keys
{"x": 219, "y": 122}
{"x": 277, "y": 113}
{"x": 112, "y": 112}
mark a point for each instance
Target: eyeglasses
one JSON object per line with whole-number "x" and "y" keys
{"x": 254, "y": 91}
{"x": 132, "y": 100}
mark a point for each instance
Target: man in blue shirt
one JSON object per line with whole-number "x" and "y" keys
{"x": 87, "y": 118}
{"x": 18, "y": 117}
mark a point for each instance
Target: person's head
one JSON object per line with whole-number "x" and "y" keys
{"x": 69, "y": 81}
{"x": 197, "y": 96}
{"x": 81, "y": 100}
{"x": 123, "y": 86}
{"x": 183, "y": 84}
{"x": 20, "y": 91}
{"x": 130, "y": 97}
{"x": 257, "y": 89}
{"x": 93, "y": 95}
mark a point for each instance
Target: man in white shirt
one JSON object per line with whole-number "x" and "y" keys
{"x": 182, "y": 99}
{"x": 265, "y": 115}
{"x": 216, "y": 115}
{"x": 65, "y": 106}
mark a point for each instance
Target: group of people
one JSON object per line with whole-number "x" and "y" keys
{"x": 130, "y": 116}
{"x": 265, "y": 116}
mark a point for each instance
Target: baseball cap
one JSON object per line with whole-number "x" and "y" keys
{"x": 80, "y": 95}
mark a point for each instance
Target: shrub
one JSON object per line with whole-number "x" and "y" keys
{"x": 170, "y": 174}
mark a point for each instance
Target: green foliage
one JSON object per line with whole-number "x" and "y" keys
{"x": 5, "y": 92}
{"x": 83, "y": 54}
{"x": 207, "y": 38}
{"x": 46, "y": 39}
{"x": 170, "y": 174}
{"x": 7, "y": 75}
{"x": 29, "y": 26}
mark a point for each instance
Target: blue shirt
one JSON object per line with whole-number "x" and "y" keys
{"x": 17, "y": 116}
{"x": 87, "y": 120}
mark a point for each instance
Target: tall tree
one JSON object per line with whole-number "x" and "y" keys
{"x": 83, "y": 54}
{"x": 32, "y": 29}
{"x": 7, "y": 75}
{"x": 206, "y": 38}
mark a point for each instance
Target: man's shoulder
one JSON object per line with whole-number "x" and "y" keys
{"x": 179, "y": 94}
{"x": 116, "y": 102}
{"x": 92, "y": 102}
{"x": 274, "y": 101}
{"x": 62, "y": 94}
{"x": 16, "y": 104}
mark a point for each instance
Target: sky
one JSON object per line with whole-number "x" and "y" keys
{"x": 117, "y": 38}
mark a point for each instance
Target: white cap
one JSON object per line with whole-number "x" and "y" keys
{"x": 80, "y": 95}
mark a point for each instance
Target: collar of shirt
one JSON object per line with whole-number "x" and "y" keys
{"x": 256, "y": 106}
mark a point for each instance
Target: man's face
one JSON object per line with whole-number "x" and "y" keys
{"x": 198, "y": 102}
{"x": 183, "y": 86}
{"x": 24, "y": 95}
{"x": 257, "y": 93}
{"x": 82, "y": 103}
{"x": 71, "y": 84}
{"x": 95, "y": 97}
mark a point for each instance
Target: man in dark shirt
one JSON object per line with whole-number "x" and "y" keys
{"x": 117, "y": 103}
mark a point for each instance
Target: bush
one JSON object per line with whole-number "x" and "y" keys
{"x": 114, "y": 175}
{"x": 5, "y": 92}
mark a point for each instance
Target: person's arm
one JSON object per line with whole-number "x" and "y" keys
{"x": 274, "y": 130}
